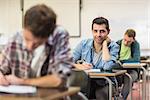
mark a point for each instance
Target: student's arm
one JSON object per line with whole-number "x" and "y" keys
{"x": 62, "y": 57}
{"x": 45, "y": 81}
{"x": 5, "y": 62}
{"x": 4, "y": 69}
{"x": 77, "y": 55}
{"x": 3, "y": 80}
{"x": 77, "y": 52}
{"x": 83, "y": 66}
{"x": 135, "y": 50}
{"x": 105, "y": 51}
{"x": 113, "y": 51}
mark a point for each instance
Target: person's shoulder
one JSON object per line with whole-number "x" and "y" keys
{"x": 119, "y": 41}
{"x": 136, "y": 42}
{"x": 87, "y": 42}
{"x": 59, "y": 34}
{"x": 113, "y": 44}
{"x": 14, "y": 42}
{"x": 16, "y": 38}
{"x": 60, "y": 30}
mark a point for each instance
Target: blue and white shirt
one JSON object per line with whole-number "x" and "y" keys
{"x": 85, "y": 51}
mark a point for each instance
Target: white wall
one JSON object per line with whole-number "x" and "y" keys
{"x": 67, "y": 12}
{"x": 122, "y": 14}
{"x": 10, "y": 16}
{"x": 148, "y": 23}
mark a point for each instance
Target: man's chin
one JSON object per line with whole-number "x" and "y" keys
{"x": 99, "y": 42}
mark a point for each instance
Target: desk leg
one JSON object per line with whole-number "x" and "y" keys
{"x": 148, "y": 80}
{"x": 110, "y": 87}
{"x": 144, "y": 84}
{"x": 82, "y": 96}
{"x": 130, "y": 85}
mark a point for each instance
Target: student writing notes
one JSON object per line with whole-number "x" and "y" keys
{"x": 38, "y": 55}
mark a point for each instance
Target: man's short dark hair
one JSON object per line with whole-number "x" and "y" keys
{"x": 40, "y": 20}
{"x": 100, "y": 21}
{"x": 130, "y": 33}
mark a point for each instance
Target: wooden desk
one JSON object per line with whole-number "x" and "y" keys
{"x": 114, "y": 73}
{"x": 42, "y": 94}
{"x": 138, "y": 65}
{"x": 145, "y": 61}
{"x": 105, "y": 75}
{"x": 133, "y": 65}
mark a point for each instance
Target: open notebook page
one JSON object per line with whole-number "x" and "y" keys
{"x": 18, "y": 89}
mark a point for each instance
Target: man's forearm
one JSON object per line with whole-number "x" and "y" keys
{"x": 45, "y": 81}
{"x": 105, "y": 52}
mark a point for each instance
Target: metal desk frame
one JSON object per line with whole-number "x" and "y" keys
{"x": 105, "y": 75}
{"x": 139, "y": 65}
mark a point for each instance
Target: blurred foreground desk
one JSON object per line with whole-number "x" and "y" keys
{"x": 140, "y": 66}
{"x": 42, "y": 94}
{"x": 106, "y": 75}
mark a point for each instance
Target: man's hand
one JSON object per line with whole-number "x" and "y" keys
{"x": 14, "y": 80}
{"x": 83, "y": 66}
{"x": 3, "y": 80}
{"x": 106, "y": 41}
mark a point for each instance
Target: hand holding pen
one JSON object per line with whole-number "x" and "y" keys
{"x": 83, "y": 65}
{"x": 3, "y": 80}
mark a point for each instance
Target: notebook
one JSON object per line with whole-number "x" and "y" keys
{"x": 18, "y": 89}
{"x": 92, "y": 70}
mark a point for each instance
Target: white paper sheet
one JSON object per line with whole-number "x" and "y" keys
{"x": 92, "y": 70}
{"x": 18, "y": 89}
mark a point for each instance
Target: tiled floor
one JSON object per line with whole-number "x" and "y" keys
{"x": 137, "y": 91}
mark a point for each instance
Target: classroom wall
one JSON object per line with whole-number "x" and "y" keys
{"x": 122, "y": 14}
{"x": 10, "y": 16}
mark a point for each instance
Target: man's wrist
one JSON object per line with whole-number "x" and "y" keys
{"x": 105, "y": 43}
{"x": 24, "y": 81}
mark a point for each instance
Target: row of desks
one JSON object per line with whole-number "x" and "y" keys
{"x": 53, "y": 94}
{"x": 105, "y": 75}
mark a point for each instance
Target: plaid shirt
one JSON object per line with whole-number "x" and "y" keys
{"x": 16, "y": 58}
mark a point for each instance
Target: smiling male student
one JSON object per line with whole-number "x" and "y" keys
{"x": 97, "y": 53}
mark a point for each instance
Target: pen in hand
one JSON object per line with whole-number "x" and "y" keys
{"x": 82, "y": 64}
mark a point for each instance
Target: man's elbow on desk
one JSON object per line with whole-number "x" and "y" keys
{"x": 44, "y": 81}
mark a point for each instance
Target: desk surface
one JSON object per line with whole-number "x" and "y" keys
{"x": 145, "y": 61}
{"x": 113, "y": 73}
{"x": 133, "y": 65}
{"x": 46, "y": 94}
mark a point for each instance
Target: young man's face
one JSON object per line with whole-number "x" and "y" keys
{"x": 99, "y": 33}
{"x": 128, "y": 40}
{"x": 31, "y": 41}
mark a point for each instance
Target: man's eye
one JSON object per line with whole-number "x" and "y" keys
{"x": 102, "y": 31}
{"x": 95, "y": 30}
